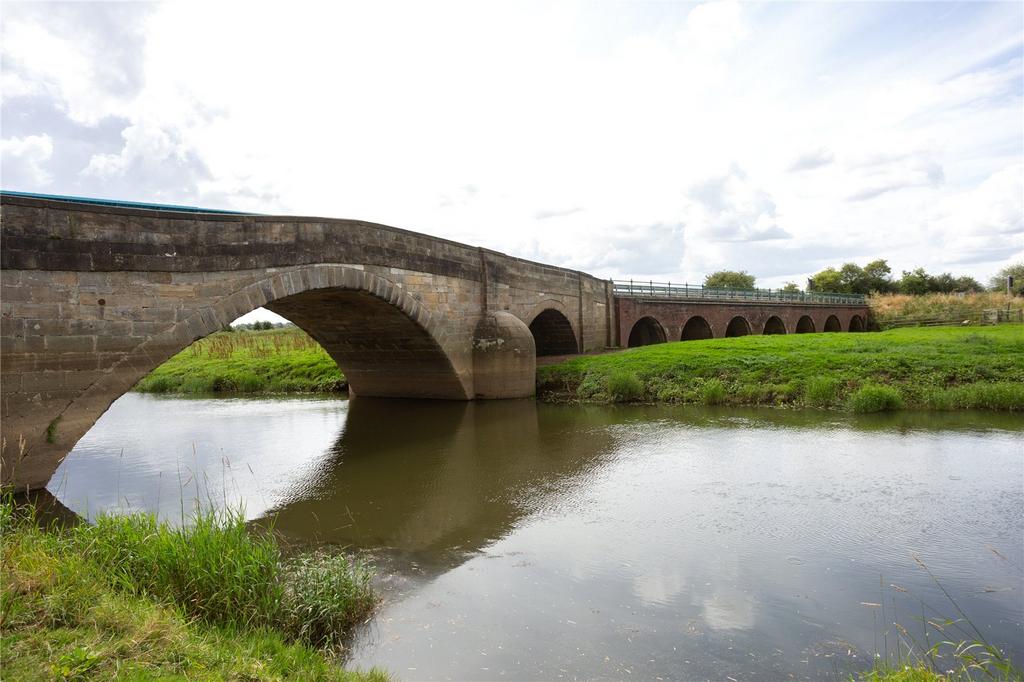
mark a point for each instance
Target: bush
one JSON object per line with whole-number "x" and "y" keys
{"x": 821, "y": 391}
{"x": 875, "y": 399}
{"x": 713, "y": 392}
{"x": 624, "y": 387}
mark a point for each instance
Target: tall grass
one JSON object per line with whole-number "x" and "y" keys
{"x": 130, "y": 598}
{"x": 886, "y": 309}
{"x": 873, "y": 398}
{"x": 217, "y": 570}
{"x": 938, "y": 647}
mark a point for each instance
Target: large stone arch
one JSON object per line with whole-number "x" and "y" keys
{"x": 645, "y": 332}
{"x": 410, "y": 356}
{"x": 857, "y": 324}
{"x": 805, "y": 325}
{"x": 832, "y": 324}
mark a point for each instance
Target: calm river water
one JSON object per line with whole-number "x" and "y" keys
{"x": 521, "y": 540}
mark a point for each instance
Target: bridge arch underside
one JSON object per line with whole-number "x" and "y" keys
{"x": 696, "y": 328}
{"x": 774, "y": 325}
{"x": 553, "y": 334}
{"x": 385, "y": 341}
{"x": 381, "y": 350}
{"x": 687, "y": 320}
{"x": 645, "y": 332}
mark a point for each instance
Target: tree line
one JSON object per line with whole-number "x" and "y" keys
{"x": 876, "y": 278}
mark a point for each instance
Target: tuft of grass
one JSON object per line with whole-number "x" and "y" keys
{"x": 821, "y": 391}
{"x": 325, "y": 596}
{"x": 931, "y": 368}
{"x": 713, "y": 392}
{"x": 873, "y": 398}
{"x": 285, "y": 360}
{"x": 75, "y": 603}
{"x": 624, "y": 387}
{"x": 51, "y": 431}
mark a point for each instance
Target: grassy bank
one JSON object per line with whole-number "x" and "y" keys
{"x": 283, "y": 360}
{"x": 129, "y": 598}
{"x": 901, "y": 309}
{"x": 934, "y": 368}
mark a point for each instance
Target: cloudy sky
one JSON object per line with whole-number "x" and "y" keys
{"x": 656, "y": 140}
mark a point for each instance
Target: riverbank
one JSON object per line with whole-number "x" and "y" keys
{"x": 133, "y": 599}
{"x": 941, "y": 368}
{"x": 284, "y": 360}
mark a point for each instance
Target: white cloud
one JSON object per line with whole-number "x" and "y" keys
{"x": 23, "y": 159}
{"x": 606, "y": 139}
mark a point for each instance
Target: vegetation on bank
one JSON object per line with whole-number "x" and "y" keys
{"x": 131, "y": 598}
{"x": 888, "y": 310}
{"x": 942, "y": 368}
{"x": 282, "y": 360}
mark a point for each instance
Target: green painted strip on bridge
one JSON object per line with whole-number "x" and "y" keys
{"x": 666, "y": 290}
{"x": 118, "y": 203}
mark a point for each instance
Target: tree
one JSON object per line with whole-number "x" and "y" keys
{"x": 916, "y": 282}
{"x": 730, "y": 279}
{"x": 968, "y": 284}
{"x": 829, "y": 280}
{"x": 791, "y": 288}
{"x": 998, "y": 283}
{"x": 878, "y": 277}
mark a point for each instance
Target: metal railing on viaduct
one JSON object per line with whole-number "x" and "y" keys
{"x": 628, "y": 288}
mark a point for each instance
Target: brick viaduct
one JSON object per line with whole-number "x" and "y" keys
{"x": 93, "y": 297}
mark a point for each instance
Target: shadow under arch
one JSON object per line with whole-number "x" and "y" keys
{"x": 645, "y": 332}
{"x": 857, "y": 324}
{"x": 774, "y": 325}
{"x": 805, "y": 325}
{"x": 738, "y": 326}
{"x": 386, "y": 342}
{"x": 553, "y": 334}
{"x": 832, "y": 324}
{"x": 696, "y": 328}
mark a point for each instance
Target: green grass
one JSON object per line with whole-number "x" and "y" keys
{"x": 915, "y": 368}
{"x": 130, "y": 598}
{"x": 273, "y": 361}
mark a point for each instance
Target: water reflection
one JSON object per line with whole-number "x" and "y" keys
{"x": 536, "y": 541}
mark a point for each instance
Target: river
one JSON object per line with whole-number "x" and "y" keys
{"x": 523, "y": 540}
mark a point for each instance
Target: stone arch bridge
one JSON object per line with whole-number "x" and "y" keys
{"x": 94, "y": 295}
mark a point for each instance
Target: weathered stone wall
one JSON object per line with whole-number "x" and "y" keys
{"x": 673, "y": 315}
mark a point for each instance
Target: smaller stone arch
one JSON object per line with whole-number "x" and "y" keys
{"x": 832, "y": 324}
{"x": 553, "y": 334}
{"x": 856, "y": 323}
{"x": 696, "y": 328}
{"x": 774, "y": 325}
{"x": 645, "y": 332}
{"x": 805, "y": 325}
{"x": 738, "y": 326}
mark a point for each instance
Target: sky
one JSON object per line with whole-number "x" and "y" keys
{"x": 652, "y": 140}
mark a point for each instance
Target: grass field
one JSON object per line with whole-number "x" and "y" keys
{"x": 931, "y": 368}
{"x": 128, "y": 598}
{"x": 282, "y": 360}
